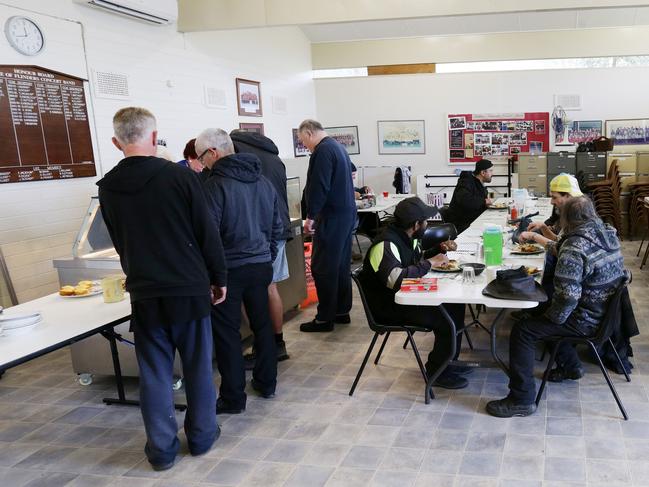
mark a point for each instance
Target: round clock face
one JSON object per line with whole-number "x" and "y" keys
{"x": 24, "y": 35}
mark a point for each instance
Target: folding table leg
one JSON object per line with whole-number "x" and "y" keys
{"x": 112, "y": 337}
{"x": 493, "y": 332}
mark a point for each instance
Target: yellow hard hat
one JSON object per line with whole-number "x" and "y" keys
{"x": 565, "y": 183}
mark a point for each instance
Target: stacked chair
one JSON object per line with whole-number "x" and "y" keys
{"x": 637, "y": 213}
{"x": 606, "y": 197}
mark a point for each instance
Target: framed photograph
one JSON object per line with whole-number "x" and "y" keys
{"x": 515, "y": 150}
{"x": 252, "y": 127}
{"x": 628, "y": 132}
{"x": 347, "y": 136}
{"x": 539, "y": 126}
{"x": 482, "y": 138}
{"x": 299, "y": 149}
{"x": 402, "y": 136}
{"x": 584, "y": 131}
{"x": 457, "y": 139}
{"x": 536, "y": 147}
{"x": 456, "y": 154}
{"x": 468, "y": 141}
{"x": 456, "y": 123}
{"x": 249, "y": 98}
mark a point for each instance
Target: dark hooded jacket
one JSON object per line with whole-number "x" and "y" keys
{"x": 159, "y": 222}
{"x": 246, "y": 210}
{"x": 272, "y": 168}
{"x": 468, "y": 201}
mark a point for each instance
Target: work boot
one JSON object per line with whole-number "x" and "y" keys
{"x": 342, "y": 319}
{"x": 449, "y": 380}
{"x": 250, "y": 358}
{"x": 507, "y": 407}
{"x": 559, "y": 374}
{"x": 225, "y": 407}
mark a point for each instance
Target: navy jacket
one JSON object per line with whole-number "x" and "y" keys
{"x": 272, "y": 167}
{"x": 157, "y": 217}
{"x": 329, "y": 188}
{"x": 246, "y": 210}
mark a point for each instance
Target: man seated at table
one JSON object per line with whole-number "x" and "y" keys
{"x": 394, "y": 255}
{"x": 589, "y": 270}
{"x": 562, "y": 188}
{"x": 470, "y": 196}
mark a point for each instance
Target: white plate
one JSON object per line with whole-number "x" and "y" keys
{"x": 93, "y": 292}
{"x": 17, "y": 321}
{"x": 21, "y": 330}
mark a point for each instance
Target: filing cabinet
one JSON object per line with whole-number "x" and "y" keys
{"x": 532, "y": 173}
{"x": 559, "y": 162}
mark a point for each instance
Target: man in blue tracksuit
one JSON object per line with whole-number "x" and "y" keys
{"x": 246, "y": 212}
{"x": 331, "y": 218}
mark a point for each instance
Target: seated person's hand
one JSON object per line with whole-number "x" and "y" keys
{"x": 438, "y": 260}
{"x": 535, "y": 226}
{"x": 528, "y": 236}
{"x": 448, "y": 245}
{"x": 488, "y": 201}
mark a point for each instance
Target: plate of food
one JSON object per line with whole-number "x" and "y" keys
{"x": 83, "y": 289}
{"x": 450, "y": 266}
{"x": 532, "y": 270}
{"x": 498, "y": 206}
{"x": 527, "y": 249}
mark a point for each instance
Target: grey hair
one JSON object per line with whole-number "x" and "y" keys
{"x": 214, "y": 139}
{"x": 133, "y": 124}
{"x": 575, "y": 212}
{"x": 310, "y": 126}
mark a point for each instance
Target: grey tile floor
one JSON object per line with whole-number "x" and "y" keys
{"x": 54, "y": 432}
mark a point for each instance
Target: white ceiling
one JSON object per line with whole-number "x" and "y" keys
{"x": 478, "y": 24}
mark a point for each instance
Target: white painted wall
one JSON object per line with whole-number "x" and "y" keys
{"x": 606, "y": 94}
{"x": 39, "y": 220}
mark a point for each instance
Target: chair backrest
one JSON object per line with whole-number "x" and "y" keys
{"x": 368, "y": 312}
{"x": 611, "y": 321}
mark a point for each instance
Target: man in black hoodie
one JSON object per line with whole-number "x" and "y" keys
{"x": 157, "y": 217}
{"x": 246, "y": 211}
{"x": 274, "y": 170}
{"x": 470, "y": 196}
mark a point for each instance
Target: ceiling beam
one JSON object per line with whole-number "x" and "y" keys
{"x": 197, "y": 15}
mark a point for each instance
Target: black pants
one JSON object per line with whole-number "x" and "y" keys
{"x": 332, "y": 253}
{"x": 155, "y": 349}
{"x": 431, "y": 317}
{"x": 247, "y": 284}
{"x": 368, "y": 224}
{"x": 522, "y": 346}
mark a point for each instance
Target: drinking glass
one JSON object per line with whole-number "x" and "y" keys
{"x": 468, "y": 274}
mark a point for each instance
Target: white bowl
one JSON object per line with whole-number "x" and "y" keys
{"x": 9, "y": 322}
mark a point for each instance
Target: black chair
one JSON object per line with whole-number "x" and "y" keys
{"x": 607, "y": 327}
{"x": 384, "y": 329}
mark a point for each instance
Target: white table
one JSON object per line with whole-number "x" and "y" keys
{"x": 385, "y": 204}
{"x": 66, "y": 321}
{"x": 452, "y": 290}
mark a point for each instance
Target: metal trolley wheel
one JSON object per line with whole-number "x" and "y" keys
{"x": 85, "y": 379}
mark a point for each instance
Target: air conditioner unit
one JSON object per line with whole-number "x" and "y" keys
{"x": 160, "y": 12}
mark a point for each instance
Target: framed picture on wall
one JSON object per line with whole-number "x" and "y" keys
{"x": 401, "y": 137}
{"x": 249, "y": 98}
{"x": 584, "y": 131}
{"x": 347, "y": 136}
{"x": 628, "y": 132}
{"x": 299, "y": 149}
{"x": 252, "y": 127}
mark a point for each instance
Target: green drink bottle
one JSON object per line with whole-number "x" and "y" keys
{"x": 493, "y": 245}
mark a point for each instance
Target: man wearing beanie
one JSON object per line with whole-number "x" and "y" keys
{"x": 470, "y": 195}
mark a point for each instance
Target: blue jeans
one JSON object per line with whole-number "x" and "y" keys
{"x": 155, "y": 349}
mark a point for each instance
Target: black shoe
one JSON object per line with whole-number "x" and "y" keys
{"x": 159, "y": 467}
{"x": 314, "y": 327}
{"x": 459, "y": 369}
{"x": 250, "y": 358}
{"x": 265, "y": 394}
{"x": 506, "y": 408}
{"x": 224, "y": 407}
{"x": 559, "y": 374}
{"x": 448, "y": 380}
{"x": 342, "y": 319}
{"x": 198, "y": 453}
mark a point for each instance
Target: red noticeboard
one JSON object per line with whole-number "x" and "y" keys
{"x": 44, "y": 126}
{"x": 472, "y": 137}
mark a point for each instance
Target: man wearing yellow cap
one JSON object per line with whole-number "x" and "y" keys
{"x": 562, "y": 188}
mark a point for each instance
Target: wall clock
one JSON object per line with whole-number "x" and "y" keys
{"x": 24, "y": 35}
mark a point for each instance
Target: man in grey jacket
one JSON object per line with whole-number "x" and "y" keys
{"x": 589, "y": 270}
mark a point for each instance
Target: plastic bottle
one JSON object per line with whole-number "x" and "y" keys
{"x": 493, "y": 245}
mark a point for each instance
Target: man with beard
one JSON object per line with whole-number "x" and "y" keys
{"x": 395, "y": 255}
{"x": 470, "y": 196}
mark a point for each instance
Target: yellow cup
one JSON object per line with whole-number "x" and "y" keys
{"x": 112, "y": 289}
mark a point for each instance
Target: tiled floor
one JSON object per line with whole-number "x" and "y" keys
{"x": 55, "y": 432}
